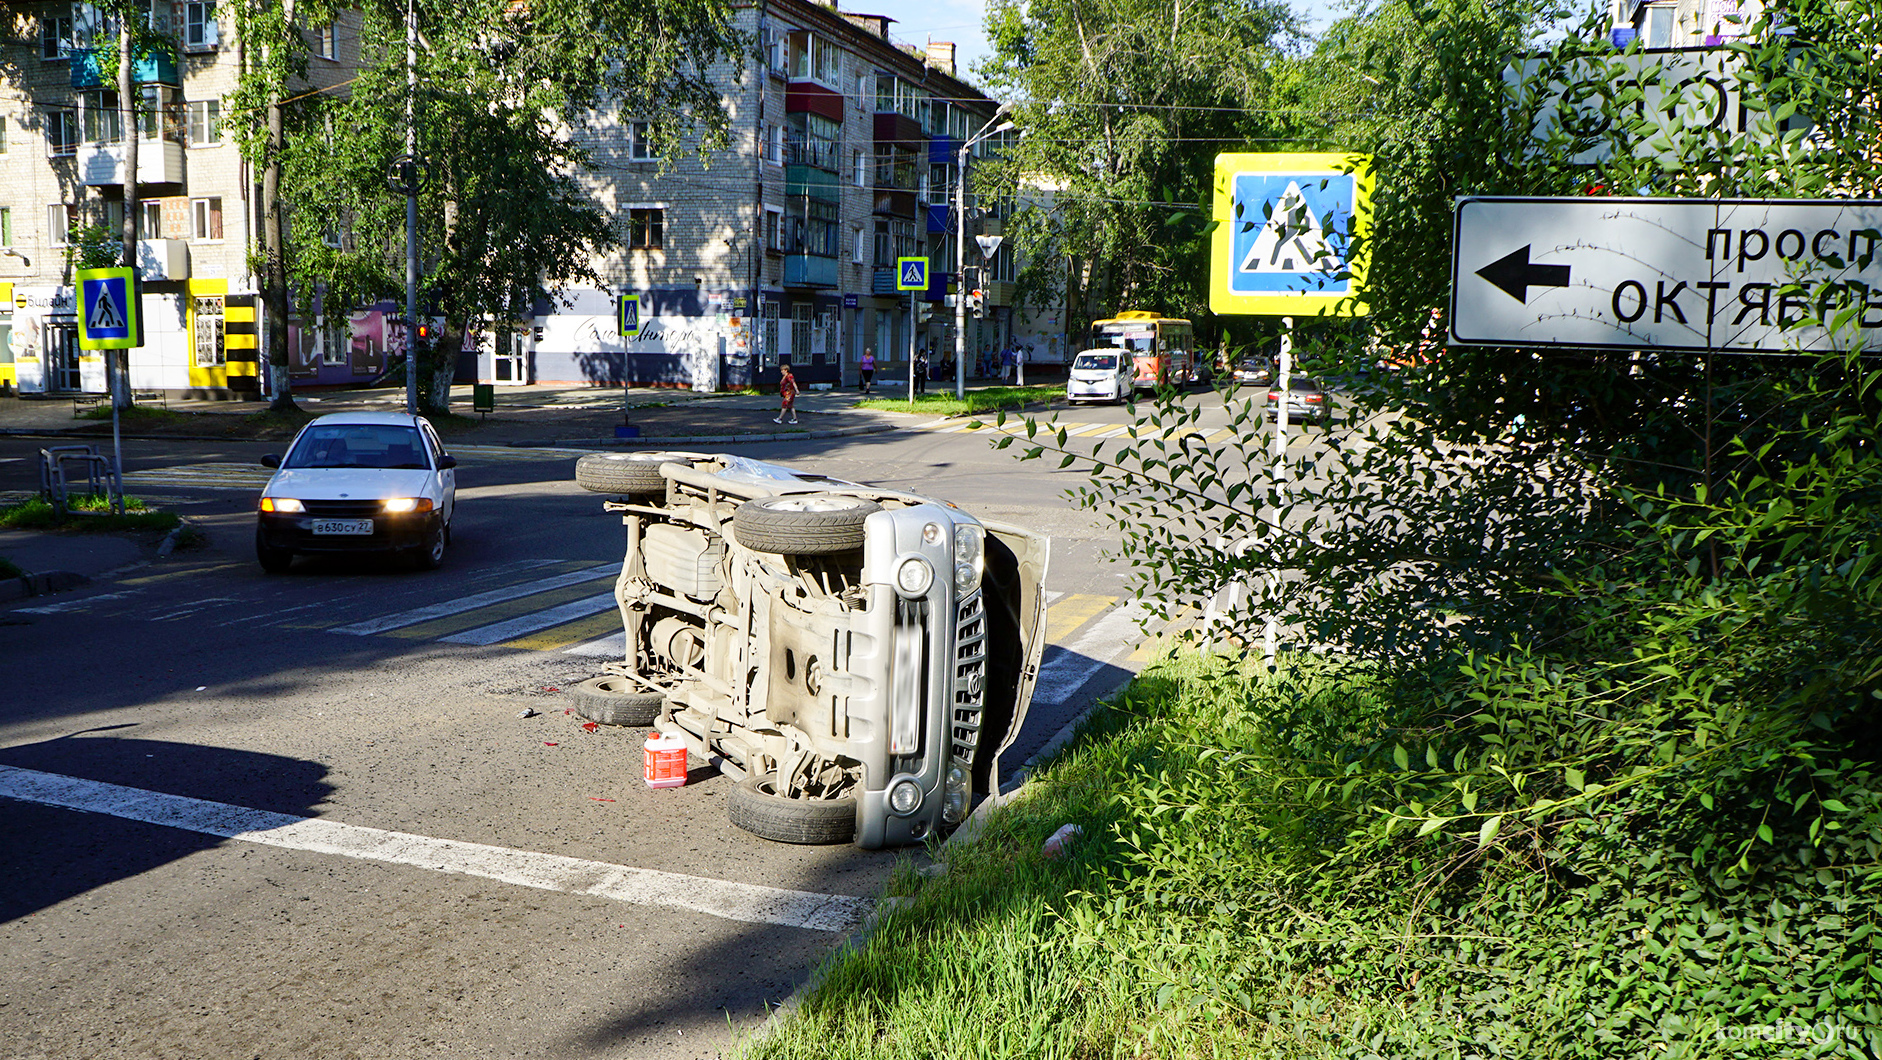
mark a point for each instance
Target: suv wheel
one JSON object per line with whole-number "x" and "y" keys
{"x": 756, "y": 806}
{"x": 612, "y": 700}
{"x": 803, "y": 524}
{"x": 627, "y": 474}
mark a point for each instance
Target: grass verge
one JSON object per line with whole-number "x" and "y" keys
{"x": 944, "y": 403}
{"x": 91, "y": 513}
{"x": 1219, "y": 906}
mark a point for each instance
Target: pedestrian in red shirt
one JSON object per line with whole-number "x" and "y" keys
{"x": 787, "y": 394}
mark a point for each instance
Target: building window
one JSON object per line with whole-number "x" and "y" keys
{"x": 206, "y": 218}
{"x": 861, "y": 241}
{"x": 768, "y": 336}
{"x": 3, "y": 136}
{"x": 102, "y": 125}
{"x": 6, "y": 226}
{"x": 1656, "y": 27}
{"x": 646, "y": 227}
{"x": 199, "y": 25}
{"x": 55, "y": 36}
{"x": 860, "y": 162}
{"x": 60, "y": 220}
{"x": 205, "y": 122}
{"x": 62, "y": 132}
{"x": 640, "y": 137}
{"x": 773, "y": 147}
{"x": 774, "y": 228}
{"x": 150, "y": 220}
{"x": 210, "y": 352}
{"x": 327, "y": 42}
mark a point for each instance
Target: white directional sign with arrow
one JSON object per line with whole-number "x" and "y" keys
{"x": 1698, "y": 274}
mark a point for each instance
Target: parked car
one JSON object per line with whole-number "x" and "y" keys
{"x": 1254, "y": 371}
{"x": 358, "y": 482}
{"x": 856, "y": 657}
{"x": 1306, "y": 401}
{"x": 1100, "y": 375}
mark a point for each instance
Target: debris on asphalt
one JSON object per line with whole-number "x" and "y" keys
{"x": 591, "y": 798}
{"x": 202, "y": 688}
{"x": 1060, "y": 844}
{"x": 589, "y": 726}
{"x": 550, "y": 743}
{"x": 526, "y": 713}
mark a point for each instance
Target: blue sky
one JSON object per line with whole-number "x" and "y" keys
{"x": 960, "y": 21}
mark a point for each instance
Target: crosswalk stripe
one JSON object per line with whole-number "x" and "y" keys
{"x": 581, "y": 631}
{"x": 386, "y": 623}
{"x": 1071, "y": 612}
{"x": 501, "y": 631}
{"x": 1068, "y": 666}
{"x": 202, "y": 476}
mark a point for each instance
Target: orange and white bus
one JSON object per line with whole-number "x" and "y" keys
{"x": 1162, "y": 348}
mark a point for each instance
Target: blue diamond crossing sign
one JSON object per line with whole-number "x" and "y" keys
{"x": 1289, "y": 235}
{"x": 107, "y": 309}
{"x": 911, "y": 274}
{"x": 629, "y": 316}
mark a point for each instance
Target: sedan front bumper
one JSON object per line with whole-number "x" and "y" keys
{"x": 294, "y": 532}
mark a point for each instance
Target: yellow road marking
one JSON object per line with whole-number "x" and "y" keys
{"x": 494, "y": 613}
{"x": 1072, "y": 611}
{"x": 579, "y": 631}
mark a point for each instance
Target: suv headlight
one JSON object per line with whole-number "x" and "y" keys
{"x": 968, "y": 558}
{"x": 914, "y": 576}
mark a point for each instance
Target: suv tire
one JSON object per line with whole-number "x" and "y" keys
{"x": 626, "y": 474}
{"x": 803, "y": 524}
{"x": 611, "y": 700}
{"x": 756, "y": 807}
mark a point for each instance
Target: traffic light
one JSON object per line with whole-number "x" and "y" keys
{"x": 977, "y": 304}
{"x": 924, "y": 310}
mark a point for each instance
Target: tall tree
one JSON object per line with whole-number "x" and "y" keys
{"x": 1124, "y": 104}
{"x": 504, "y": 214}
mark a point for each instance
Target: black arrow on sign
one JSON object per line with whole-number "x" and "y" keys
{"x": 1513, "y": 273}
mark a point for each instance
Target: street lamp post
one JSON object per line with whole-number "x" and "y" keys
{"x": 960, "y": 246}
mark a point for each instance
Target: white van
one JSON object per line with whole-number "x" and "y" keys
{"x": 1100, "y": 375}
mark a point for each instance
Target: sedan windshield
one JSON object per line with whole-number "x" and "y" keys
{"x": 1105, "y": 361}
{"x": 358, "y": 445}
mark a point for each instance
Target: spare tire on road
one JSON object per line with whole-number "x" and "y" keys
{"x": 613, "y": 700}
{"x": 627, "y": 474}
{"x": 803, "y": 524}
{"x": 756, "y": 806}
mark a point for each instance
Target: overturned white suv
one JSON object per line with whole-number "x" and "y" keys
{"x": 856, "y": 657}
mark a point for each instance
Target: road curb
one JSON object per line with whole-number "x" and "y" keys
{"x": 676, "y": 439}
{"x": 41, "y": 584}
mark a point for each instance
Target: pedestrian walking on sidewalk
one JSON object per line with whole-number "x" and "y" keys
{"x": 787, "y": 394}
{"x": 868, "y": 367}
{"x": 921, "y": 373}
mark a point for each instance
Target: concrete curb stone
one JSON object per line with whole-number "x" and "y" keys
{"x": 41, "y": 584}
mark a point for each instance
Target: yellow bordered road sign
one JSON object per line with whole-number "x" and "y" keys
{"x": 108, "y": 316}
{"x": 629, "y": 316}
{"x": 1290, "y": 234}
{"x": 911, "y": 274}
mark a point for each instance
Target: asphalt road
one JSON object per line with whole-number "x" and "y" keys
{"x": 471, "y": 882}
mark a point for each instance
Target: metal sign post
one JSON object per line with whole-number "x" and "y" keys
{"x": 110, "y": 318}
{"x": 1289, "y": 240}
{"x": 911, "y": 275}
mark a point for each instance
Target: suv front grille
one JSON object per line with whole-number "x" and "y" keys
{"x": 970, "y": 679}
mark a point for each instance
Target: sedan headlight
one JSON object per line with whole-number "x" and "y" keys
{"x": 968, "y": 558}
{"x": 406, "y": 505}
{"x": 282, "y": 504}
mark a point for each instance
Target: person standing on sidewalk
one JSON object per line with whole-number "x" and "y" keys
{"x": 921, "y": 372}
{"x": 787, "y": 394}
{"x": 868, "y": 367}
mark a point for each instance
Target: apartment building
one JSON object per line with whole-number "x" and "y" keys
{"x": 781, "y": 246}
{"x": 62, "y": 166}
{"x": 1681, "y": 23}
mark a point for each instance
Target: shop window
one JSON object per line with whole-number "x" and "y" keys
{"x": 210, "y": 351}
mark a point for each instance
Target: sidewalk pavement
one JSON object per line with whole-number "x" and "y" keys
{"x": 524, "y": 416}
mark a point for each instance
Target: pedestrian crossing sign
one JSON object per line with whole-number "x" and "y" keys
{"x": 107, "y": 309}
{"x": 629, "y": 311}
{"x": 1290, "y": 234}
{"x": 911, "y": 274}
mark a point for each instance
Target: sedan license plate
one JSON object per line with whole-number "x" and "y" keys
{"x": 343, "y": 526}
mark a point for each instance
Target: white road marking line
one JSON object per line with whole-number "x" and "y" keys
{"x": 71, "y": 605}
{"x": 474, "y": 601}
{"x": 554, "y": 616}
{"x": 612, "y": 646}
{"x": 1068, "y": 666}
{"x": 745, "y": 902}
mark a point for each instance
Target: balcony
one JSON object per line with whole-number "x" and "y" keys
{"x": 163, "y": 259}
{"x": 158, "y": 162}
{"x": 809, "y": 270}
{"x": 883, "y": 283}
{"x": 803, "y": 181}
{"x": 158, "y": 65}
{"x": 998, "y": 292}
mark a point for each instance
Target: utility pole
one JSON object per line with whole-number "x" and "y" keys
{"x": 117, "y": 362}
{"x": 409, "y": 171}
{"x": 960, "y": 247}
{"x": 273, "y": 241}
